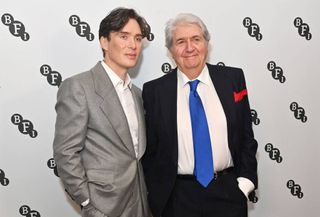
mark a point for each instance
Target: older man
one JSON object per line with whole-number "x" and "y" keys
{"x": 201, "y": 153}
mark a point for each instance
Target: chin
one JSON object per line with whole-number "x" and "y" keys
{"x": 192, "y": 66}
{"x": 131, "y": 65}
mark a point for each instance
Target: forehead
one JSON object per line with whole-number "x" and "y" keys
{"x": 132, "y": 26}
{"x": 186, "y": 30}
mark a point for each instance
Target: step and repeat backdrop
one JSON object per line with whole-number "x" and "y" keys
{"x": 276, "y": 43}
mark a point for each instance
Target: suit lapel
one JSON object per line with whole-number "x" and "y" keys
{"x": 111, "y": 105}
{"x": 224, "y": 87}
{"x": 168, "y": 105}
{"x": 141, "y": 121}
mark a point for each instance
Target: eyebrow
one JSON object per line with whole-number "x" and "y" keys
{"x": 128, "y": 33}
{"x": 183, "y": 38}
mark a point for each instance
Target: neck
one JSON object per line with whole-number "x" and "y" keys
{"x": 121, "y": 72}
{"x": 191, "y": 73}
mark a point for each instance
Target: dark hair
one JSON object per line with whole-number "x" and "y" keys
{"x": 118, "y": 18}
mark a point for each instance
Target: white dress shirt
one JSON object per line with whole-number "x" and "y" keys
{"x": 217, "y": 124}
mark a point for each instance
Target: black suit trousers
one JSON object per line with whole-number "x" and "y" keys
{"x": 221, "y": 198}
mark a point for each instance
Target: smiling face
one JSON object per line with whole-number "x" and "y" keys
{"x": 123, "y": 48}
{"x": 189, "y": 49}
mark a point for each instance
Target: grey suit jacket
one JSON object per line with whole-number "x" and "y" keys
{"x": 93, "y": 148}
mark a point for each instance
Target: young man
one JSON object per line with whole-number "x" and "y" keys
{"x": 200, "y": 159}
{"x": 100, "y": 130}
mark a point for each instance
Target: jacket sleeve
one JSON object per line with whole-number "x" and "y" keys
{"x": 248, "y": 145}
{"x": 70, "y": 134}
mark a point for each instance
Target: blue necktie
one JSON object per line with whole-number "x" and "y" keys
{"x": 203, "y": 169}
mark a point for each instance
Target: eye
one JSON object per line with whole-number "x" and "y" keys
{"x": 124, "y": 36}
{"x": 138, "y": 38}
{"x": 197, "y": 39}
{"x": 179, "y": 42}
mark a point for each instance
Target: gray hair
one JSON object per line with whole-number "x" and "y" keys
{"x": 184, "y": 18}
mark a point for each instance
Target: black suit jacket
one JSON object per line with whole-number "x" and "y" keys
{"x": 161, "y": 157}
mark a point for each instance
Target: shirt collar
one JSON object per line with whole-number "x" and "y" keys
{"x": 203, "y": 77}
{"x": 115, "y": 79}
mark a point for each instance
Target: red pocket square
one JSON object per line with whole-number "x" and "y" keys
{"x": 239, "y": 96}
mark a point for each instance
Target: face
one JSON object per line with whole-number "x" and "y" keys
{"x": 189, "y": 49}
{"x": 123, "y": 49}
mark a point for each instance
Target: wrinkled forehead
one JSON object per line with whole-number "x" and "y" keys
{"x": 187, "y": 30}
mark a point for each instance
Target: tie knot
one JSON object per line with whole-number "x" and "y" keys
{"x": 193, "y": 85}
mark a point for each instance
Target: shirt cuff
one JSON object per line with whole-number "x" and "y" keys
{"x": 245, "y": 185}
{"x": 85, "y": 202}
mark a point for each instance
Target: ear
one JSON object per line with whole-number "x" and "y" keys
{"x": 104, "y": 43}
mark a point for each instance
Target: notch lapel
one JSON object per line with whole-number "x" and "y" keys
{"x": 168, "y": 103}
{"x": 224, "y": 87}
{"x": 111, "y": 106}
{"x": 141, "y": 121}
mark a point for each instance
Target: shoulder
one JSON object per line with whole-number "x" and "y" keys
{"x": 227, "y": 70}
{"x": 85, "y": 76}
{"x": 159, "y": 82}
{"x": 232, "y": 74}
{"x": 77, "y": 82}
{"x": 76, "y": 79}
{"x": 80, "y": 76}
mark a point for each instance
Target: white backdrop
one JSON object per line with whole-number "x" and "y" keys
{"x": 279, "y": 53}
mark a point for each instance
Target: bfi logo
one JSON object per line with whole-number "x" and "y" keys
{"x": 52, "y": 165}
{"x": 221, "y": 64}
{"x": 303, "y": 28}
{"x": 54, "y": 78}
{"x": 299, "y": 112}
{"x": 252, "y": 197}
{"x": 26, "y": 211}
{"x": 16, "y": 28}
{"x": 295, "y": 189}
{"x": 3, "y": 180}
{"x": 150, "y": 37}
{"x": 166, "y": 68}
{"x": 277, "y": 72}
{"x": 253, "y": 28}
{"x": 24, "y": 126}
{"x": 254, "y": 117}
{"x": 82, "y": 28}
{"x": 274, "y": 153}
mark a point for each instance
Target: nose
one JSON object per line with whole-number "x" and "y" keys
{"x": 132, "y": 43}
{"x": 189, "y": 46}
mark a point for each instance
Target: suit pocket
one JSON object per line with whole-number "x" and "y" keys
{"x": 91, "y": 211}
{"x": 103, "y": 178}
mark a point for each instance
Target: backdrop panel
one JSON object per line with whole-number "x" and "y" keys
{"x": 276, "y": 43}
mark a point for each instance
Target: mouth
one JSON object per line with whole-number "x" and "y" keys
{"x": 190, "y": 56}
{"x": 131, "y": 56}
